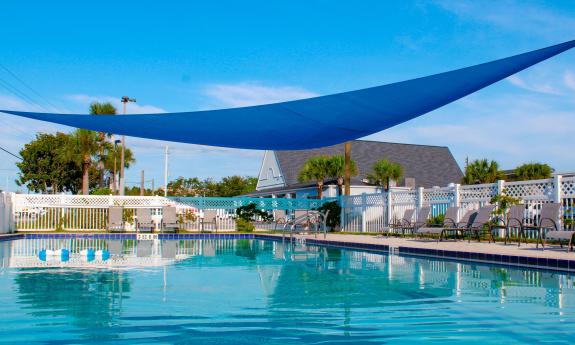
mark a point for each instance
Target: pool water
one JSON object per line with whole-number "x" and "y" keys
{"x": 255, "y": 291}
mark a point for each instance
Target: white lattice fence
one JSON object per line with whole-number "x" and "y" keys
{"x": 439, "y": 199}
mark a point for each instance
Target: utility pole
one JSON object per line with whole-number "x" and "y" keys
{"x": 142, "y": 185}
{"x": 153, "y": 189}
{"x": 166, "y": 172}
{"x": 125, "y": 100}
{"x": 115, "y": 183}
{"x": 347, "y": 171}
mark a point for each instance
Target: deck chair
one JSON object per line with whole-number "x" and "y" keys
{"x": 421, "y": 220}
{"x": 210, "y": 217}
{"x": 549, "y": 220}
{"x": 116, "y": 219}
{"x": 144, "y": 222}
{"x": 482, "y": 219}
{"x": 170, "y": 221}
{"x": 515, "y": 220}
{"x": 280, "y": 218}
{"x": 450, "y": 224}
{"x": 144, "y": 248}
{"x": 399, "y": 224}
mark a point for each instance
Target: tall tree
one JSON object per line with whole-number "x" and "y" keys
{"x": 82, "y": 146}
{"x": 105, "y": 108}
{"x": 44, "y": 168}
{"x": 383, "y": 172}
{"x": 113, "y": 165}
{"x": 236, "y": 185}
{"x": 316, "y": 169}
{"x": 482, "y": 171}
{"x": 337, "y": 170}
{"x": 533, "y": 171}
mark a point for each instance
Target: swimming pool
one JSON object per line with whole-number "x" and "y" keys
{"x": 245, "y": 291}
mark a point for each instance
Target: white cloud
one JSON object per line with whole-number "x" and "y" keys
{"x": 535, "y": 87}
{"x": 132, "y": 108}
{"x": 246, "y": 94}
{"x": 512, "y": 15}
{"x": 569, "y": 80}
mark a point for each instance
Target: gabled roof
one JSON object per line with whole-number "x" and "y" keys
{"x": 428, "y": 165}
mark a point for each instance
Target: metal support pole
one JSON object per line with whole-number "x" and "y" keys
{"x": 347, "y": 177}
{"x": 166, "y": 172}
{"x": 142, "y": 185}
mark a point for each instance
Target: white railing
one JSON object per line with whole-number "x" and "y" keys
{"x": 359, "y": 210}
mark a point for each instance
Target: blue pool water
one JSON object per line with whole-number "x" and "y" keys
{"x": 255, "y": 291}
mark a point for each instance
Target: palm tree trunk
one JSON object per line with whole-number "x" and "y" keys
{"x": 339, "y": 185}
{"x": 86, "y": 175}
{"x": 319, "y": 189}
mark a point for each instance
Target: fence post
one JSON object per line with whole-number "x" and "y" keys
{"x": 389, "y": 206}
{"x": 363, "y": 208}
{"x": 419, "y": 199}
{"x": 557, "y": 188}
{"x": 500, "y": 186}
{"x": 456, "y": 195}
{"x": 342, "y": 213}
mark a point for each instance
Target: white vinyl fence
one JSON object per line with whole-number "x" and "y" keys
{"x": 374, "y": 212}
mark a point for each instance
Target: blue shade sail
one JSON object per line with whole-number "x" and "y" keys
{"x": 312, "y": 122}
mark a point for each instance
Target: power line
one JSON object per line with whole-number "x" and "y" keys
{"x": 10, "y": 153}
{"x": 26, "y": 85}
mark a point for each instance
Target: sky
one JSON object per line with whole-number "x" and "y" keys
{"x": 198, "y": 55}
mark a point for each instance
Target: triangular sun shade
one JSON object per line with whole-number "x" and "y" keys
{"x": 312, "y": 122}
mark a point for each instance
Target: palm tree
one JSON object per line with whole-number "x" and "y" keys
{"x": 316, "y": 169}
{"x": 482, "y": 171}
{"x": 383, "y": 172}
{"x": 109, "y": 162}
{"x": 337, "y": 170}
{"x": 82, "y": 146}
{"x": 533, "y": 171}
{"x": 105, "y": 108}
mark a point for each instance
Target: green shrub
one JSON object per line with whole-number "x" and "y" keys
{"x": 243, "y": 225}
{"x": 437, "y": 220}
{"x": 250, "y": 212}
{"x": 333, "y": 218}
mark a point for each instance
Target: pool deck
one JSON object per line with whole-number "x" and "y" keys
{"x": 527, "y": 255}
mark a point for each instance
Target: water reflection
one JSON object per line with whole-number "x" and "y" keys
{"x": 262, "y": 283}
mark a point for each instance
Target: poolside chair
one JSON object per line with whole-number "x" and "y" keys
{"x": 170, "y": 221}
{"x": 144, "y": 222}
{"x": 398, "y": 225}
{"x": 210, "y": 217}
{"x": 280, "y": 218}
{"x": 449, "y": 224}
{"x": 482, "y": 220}
{"x": 421, "y": 220}
{"x": 515, "y": 220}
{"x": 549, "y": 220}
{"x": 116, "y": 219}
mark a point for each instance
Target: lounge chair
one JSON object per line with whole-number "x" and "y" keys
{"x": 421, "y": 220}
{"x": 549, "y": 220}
{"x": 398, "y": 225}
{"x": 210, "y": 217}
{"x": 280, "y": 218}
{"x": 116, "y": 219}
{"x": 170, "y": 221}
{"x": 515, "y": 220}
{"x": 482, "y": 219}
{"x": 303, "y": 220}
{"x": 144, "y": 222}
{"x": 450, "y": 224}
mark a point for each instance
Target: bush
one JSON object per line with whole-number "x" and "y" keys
{"x": 243, "y": 225}
{"x": 333, "y": 218}
{"x": 437, "y": 220}
{"x": 249, "y": 213}
{"x": 101, "y": 191}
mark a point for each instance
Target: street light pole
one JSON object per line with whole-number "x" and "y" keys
{"x": 125, "y": 100}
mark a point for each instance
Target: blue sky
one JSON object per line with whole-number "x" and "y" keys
{"x": 192, "y": 55}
